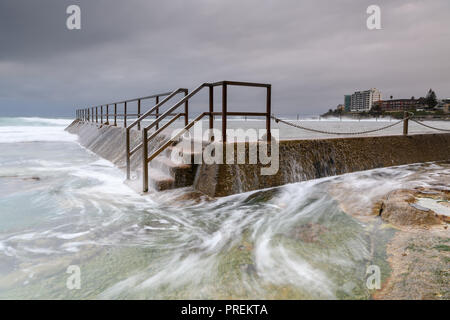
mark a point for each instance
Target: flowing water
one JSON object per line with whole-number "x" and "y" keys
{"x": 61, "y": 206}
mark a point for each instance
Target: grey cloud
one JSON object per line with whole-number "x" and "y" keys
{"x": 313, "y": 52}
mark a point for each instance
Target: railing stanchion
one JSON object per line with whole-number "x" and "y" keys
{"x": 96, "y": 114}
{"x": 269, "y": 112}
{"x": 127, "y": 144}
{"x": 88, "y": 114}
{"x": 405, "y": 123}
{"x": 144, "y": 161}
{"x": 107, "y": 114}
{"x": 211, "y": 108}
{"x": 139, "y": 114}
{"x": 186, "y": 110}
{"x": 115, "y": 114}
{"x": 157, "y": 112}
{"x": 101, "y": 114}
{"x": 92, "y": 114}
{"x": 224, "y": 112}
{"x": 125, "y": 114}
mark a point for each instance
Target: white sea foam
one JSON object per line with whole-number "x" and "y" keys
{"x": 82, "y": 206}
{"x": 17, "y": 134}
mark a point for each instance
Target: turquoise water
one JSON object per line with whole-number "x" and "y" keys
{"x": 61, "y": 206}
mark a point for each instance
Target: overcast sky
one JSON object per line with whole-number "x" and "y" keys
{"x": 311, "y": 51}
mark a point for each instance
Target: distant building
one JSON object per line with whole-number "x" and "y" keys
{"x": 347, "y": 102}
{"x": 340, "y": 107}
{"x": 363, "y": 100}
{"x": 446, "y": 108}
{"x": 398, "y": 104}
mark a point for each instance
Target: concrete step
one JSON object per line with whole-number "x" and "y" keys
{"x": 180, "y": 151}
{"x": 183, "y": 174}
{"x": 159, "y": 180}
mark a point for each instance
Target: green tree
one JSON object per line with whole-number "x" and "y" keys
{"x": 431, "y": 99}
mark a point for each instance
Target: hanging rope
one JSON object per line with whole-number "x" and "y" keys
{"x": 423, "y": 124}
{"x": 337, "y": 133}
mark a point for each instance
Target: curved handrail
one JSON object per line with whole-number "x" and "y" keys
{"x": 173, "y": 139}
{"x": 149, "y": 112}
{"x": 129, "y": 153}
{"x": 176, "y": 105}
{"x": 157, "y": 121}
{"x": 144, "y": 144}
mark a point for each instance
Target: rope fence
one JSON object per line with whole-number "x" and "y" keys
{"x": 425, "y": 125}
{"x": 409, "y": 117}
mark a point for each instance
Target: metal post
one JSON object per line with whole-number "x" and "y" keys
{"x": 88, "y": 114}
{"x": 268, "y": 112}
{"x": 186, "y": 110}
{"x": 127, "y": 145}
{"x": 115, "y": 114}
{"x": 139, "y": 114}
{"x": 157, "y": 113}
{"x": 96, "y": 114}
{"x": 107, "y": 114}
{"x": 405, "y": 123}
{"x": 125, "y": 115}
{"x": 92, "y": 114}
{"x": 144, "y": 161}
{"x": 101, "y": 114}
{"x": 224, "y": 112}
{"x": 211, "y": 107}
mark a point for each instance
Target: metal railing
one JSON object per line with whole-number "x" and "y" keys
{"x": 224, "y": 114}
{"x": 93, "y": 114}
{"x": 138, "y": 121}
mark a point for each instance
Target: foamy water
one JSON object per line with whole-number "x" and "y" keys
{"x": 61, "y": 205}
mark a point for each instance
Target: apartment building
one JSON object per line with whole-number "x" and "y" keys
{"x": 363, "y": 100}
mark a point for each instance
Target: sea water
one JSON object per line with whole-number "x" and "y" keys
{"x": 62, "y": 206}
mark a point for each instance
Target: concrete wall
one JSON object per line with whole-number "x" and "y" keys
{"x": 300, "y": 160}
{"x": 109, "y": 143}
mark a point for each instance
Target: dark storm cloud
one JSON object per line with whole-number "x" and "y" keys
{"x": 313, "y": 52}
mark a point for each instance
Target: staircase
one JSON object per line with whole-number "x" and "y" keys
{"x": 165, "y": 172}
{"x": 159, "y": 168}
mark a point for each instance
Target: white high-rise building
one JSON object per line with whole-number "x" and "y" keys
{"x": 363, "y": 100}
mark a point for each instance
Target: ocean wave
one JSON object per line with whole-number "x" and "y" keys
{"x": 15, "y": 134}
{"x": 34, "y": 121}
